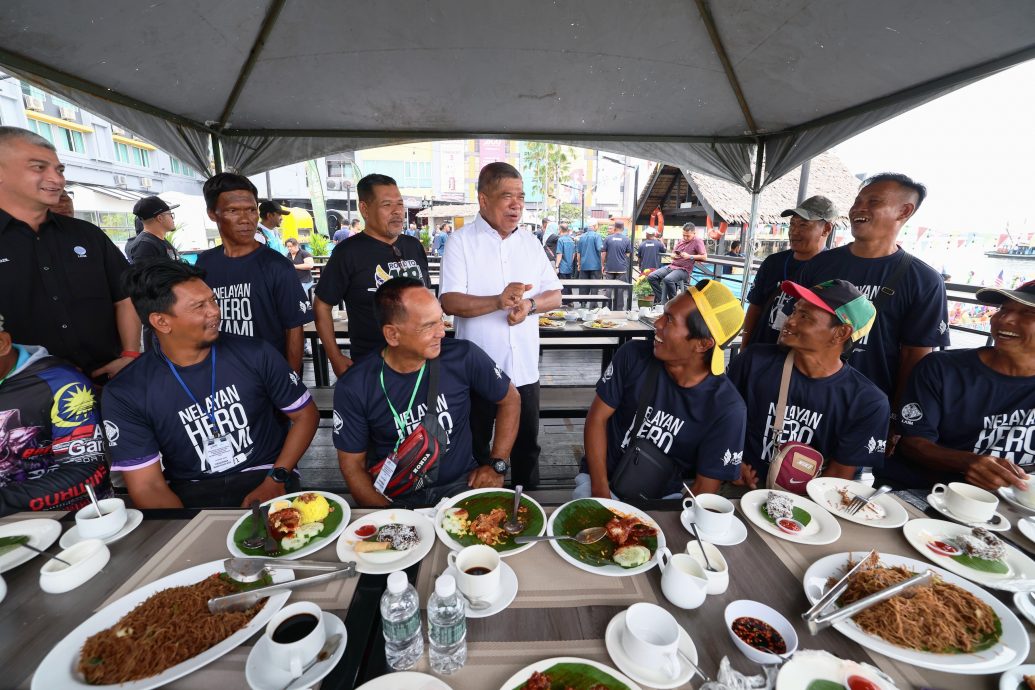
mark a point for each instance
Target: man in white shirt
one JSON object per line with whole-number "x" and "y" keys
{"x": 494, "y": 277}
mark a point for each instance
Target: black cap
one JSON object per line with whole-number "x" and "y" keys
{"x": 268, "y": 207}
{"x": 1025, "y": 294}
{"x": 151, "y": 206}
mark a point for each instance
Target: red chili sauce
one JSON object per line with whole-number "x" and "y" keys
{"x": 860, "y": 683}
{"x": 788, "y": 525}
{"x": 943, "y": 548}
{"x": 758, "y": 634}
{"x": 365, "y": 531}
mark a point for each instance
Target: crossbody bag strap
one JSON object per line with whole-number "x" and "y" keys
{"x": 650, "y": 386}
{"x": 781, "y": 399}
{"x": 888, "y": 289}
{"x": 430, "y": 420}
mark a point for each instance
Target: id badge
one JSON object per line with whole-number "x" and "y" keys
{"x": 219, "y": 453}
{"x": 385, "y": 475}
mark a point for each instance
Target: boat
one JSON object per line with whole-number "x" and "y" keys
{"x": 1018, "y": 251}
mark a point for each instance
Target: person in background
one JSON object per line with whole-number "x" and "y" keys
{"x": 412, "y": 231}
{"x": 303, "y": 262}
{"x": 340, "y": 235}
{"x": 51, "y": 438}
{"x": 438, "y": 245}
{"x": 564, "y": 262}
{"x": 615, "y": 257}
{"x": 810, "y": 225}
{"x": 665, "y": 280}
{"x": 735, "y": 253}
{"x": 271, "y": 214}
{"x": 550, "y": 243}
{"x": 158, "y": 220}
{"x": 354, "y": 227}
{"x": 650, "y": 251}
{"x": 257, "y": 289}
{"x": 65, "y": 205}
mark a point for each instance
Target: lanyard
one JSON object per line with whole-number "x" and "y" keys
{"x": 413, "y": 396}
{"x": 179, "y": 379}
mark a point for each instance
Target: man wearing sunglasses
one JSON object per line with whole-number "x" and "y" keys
{"x": 158, "y": 220}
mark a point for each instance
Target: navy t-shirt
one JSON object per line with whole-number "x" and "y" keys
{"x": 259, "y": 294}
{"x": 844, "y": 416}
{"x": 617, "y": 247}
{"x": 916, "y": 315}
{"x": 701, "y": 428}
{"x": 147, "y": 413}
{"x": 357, "y": 267}
{"x": 957, "y": 401}
{"x": 775, "y": 269}
{"x": 363, "y": 419}
{"x": 650, "y": 252}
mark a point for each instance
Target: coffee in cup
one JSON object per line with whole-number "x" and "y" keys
{"x": 967, "y": 502}
{"x": 711, "y": 513}
{"x": 477, "y": 571}
{"x": 295, "y": 636}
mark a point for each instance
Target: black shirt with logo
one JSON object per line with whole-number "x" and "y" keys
{"x": 357, "y": 267}
{"x": 147, "y": 247}
{"x": 765, "y": 293}
{"x": 58, "y": 288}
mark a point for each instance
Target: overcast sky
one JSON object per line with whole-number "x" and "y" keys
{"x": 974, "y": 149}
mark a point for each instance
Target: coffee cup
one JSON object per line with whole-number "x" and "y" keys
{"x": 719, "y": 578}
{"x": 644, "y": 312}
{"x": 1027, "y": 496}
{"x": 295, "y": 636}
{"x": 113, "y": 518}
{"x": 966, "y": 501}
{"x": 477, "y": 571}
{"x": 683, "y": 580}
{"x": 711, "y": 513}
{"x": 651, "y": 637}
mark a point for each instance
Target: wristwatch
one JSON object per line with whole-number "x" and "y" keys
{"x": 279, "y": 474}
{"x": 531, "y": 310}
{"x": 499, "y": 465}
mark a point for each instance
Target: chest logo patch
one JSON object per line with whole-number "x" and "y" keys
{"x": 79, "y": 251}
{"x": 912, "y": 413}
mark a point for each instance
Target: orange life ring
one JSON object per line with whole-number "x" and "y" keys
{"x": 657, "y": 220}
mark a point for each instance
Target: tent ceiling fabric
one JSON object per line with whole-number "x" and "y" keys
{"x": 639, "y": 78}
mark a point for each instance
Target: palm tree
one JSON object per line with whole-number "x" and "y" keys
{"x": 549, "y": 165}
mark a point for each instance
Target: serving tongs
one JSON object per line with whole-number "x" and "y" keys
{"x": 245, "y": 600}
{"x": 817, "y": 620}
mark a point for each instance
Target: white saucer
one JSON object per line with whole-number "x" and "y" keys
{"x": 1009, "y": 494}
{"x": 1014, "y": 678}
{"x": 1026, "y": 526}
{"x": 998, "y": 523}
{"x": 508, "y": 590}
{"x": 133, "y": 519}
{"x": 261, "y": 675}
{"x": 736, "y": 533}
{"x": 1024, "y": 603}
{"x": 642, "y": 674}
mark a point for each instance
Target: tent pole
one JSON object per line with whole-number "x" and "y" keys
{"x": 749, "y": 240}
{"x": 217, "y": 154}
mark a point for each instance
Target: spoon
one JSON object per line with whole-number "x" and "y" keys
{"x": 783, "y": 658}
{"x": 589, "y": 535}
{"x": 707, "y": 563}
{"x": 696, "y": 669}
{"x": 257, "y": 539}
{"x": 475, "y": 604}
{"x": 93, "y": 498}
{"x": 691, "y": 493}
{"x": 513, "y": 525}
{"x": 325, "y": 653}
{"x": 44, "y": 553}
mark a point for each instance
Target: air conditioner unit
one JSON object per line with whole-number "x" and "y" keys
{"x": 146, "y": 182}
{"x": 120, "y": 181}
{"x": 67, "y": 113}
{"x": 33, "y": 103}
{"x": 118, "y": 131}
{"x": 333, "y": 183}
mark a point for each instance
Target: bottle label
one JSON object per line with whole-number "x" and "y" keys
{"x": 447, "y": 635}
{"x": 401, "y": 630}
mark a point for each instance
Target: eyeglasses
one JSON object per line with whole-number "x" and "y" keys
{"x": 396, "y": 252}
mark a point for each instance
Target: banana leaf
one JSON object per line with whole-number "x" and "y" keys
{"x": 583, "y": 513}
{"x": 330, "y": 523}
{"x": 579, "y": 677}
{"x": 479, "y": 504}
{"x": 12, "y": 543}
{"x": 799, "y": 514}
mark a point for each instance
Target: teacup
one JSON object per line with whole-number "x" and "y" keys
{"x": 295, "y": 636}
{"x": 644, "y": 312}
{"x": 967, "y": 502}
{"x": 712, "y": 513}
{"x": 113, "y": 518}
{"x": 1027, "y": 496}
{"x": 651, "y": 637}
{"x": 718, "y": 579}
{"x": 477, "y": 571}
{"x": 683, "y": 580}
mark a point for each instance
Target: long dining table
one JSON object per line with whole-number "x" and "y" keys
{"x": 559, "y": 610}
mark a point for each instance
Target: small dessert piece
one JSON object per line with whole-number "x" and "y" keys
{"x": 369, "y": 546}
{"x": 981, "y": 543}
{"x": 400, "y": 537}
{"x": 779, "y": 506}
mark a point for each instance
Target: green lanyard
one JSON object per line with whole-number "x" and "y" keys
{"x": 395, "y": 415}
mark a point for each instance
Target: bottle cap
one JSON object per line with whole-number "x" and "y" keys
{"x": 397, "y": 582}
{"x": 445, "y": 586}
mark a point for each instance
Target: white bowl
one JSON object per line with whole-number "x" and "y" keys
{"x": 87, "y": 557}
{"x": 571, "y": 316}
{"x": 113, "y": 519}
{"x": 718, "y": 581}
{"x": 754, "y": 609}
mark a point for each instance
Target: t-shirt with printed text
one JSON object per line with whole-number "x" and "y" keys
{"x": 765, "y": 293}
{"x": 618, "y": 248}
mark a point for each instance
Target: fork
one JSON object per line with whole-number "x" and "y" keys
{"x": 858, "y": 502}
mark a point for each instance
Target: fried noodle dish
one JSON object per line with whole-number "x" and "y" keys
{"x": 937, "y": 617}
{"x": 165, "y": 629}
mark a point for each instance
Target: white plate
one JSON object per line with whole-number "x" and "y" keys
{"x": 1024, "y": 603}
{"x": 133, "y": 519}
{"x": 508, "y": 590}
{"x": 609, "y": 570}
{"x": 824, "y": 491}
{"x": 812, "y": 665}
{"x": 998, "y": 523}
{"x": 58, "y": 668}
{"x": 1022, "y": 569}
{"x": 736, "y": 533}
{"x": 447, "y": 539}
{"x": 1026, "y": 526}
{"x": 641, "y": 674}
{"x": 404, "y": 680}
{"x": 521, "y": 676}
{"x": 310, "y": 548}
{"x": 588, "y": 325}
{"x": 1014, "y": 678}
{"x": 1010, "y": 495}
{"x": 42, "y": 532}
{"x": 822, "y": 529}
{"x": 555, "y": 325}
{"x": 381, "y": 562}
{"x": 262, "y": 675}
{"x": 1012, "y": 647}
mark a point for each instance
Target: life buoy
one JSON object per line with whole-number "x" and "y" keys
{"x": 713, "y": 234}
{"x": 657, "y": 221}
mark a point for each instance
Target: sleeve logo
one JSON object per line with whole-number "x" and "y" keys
{"x": 111, "y": 430}
{"x": 73, "y": 405}
{"x": 608, "y": 373}
{"x": 875, "y": 446}
{"x": 338, "y": 422}
{"x": 294, "y": 378}
{"x": 732, "y": 458}
{"x": 912, "y": 413}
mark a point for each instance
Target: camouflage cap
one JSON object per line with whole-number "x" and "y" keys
{"x": 814, "y": 208}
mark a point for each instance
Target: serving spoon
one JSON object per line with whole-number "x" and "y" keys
{"x": 252, "y": 569}
{"x": 513, "y": 525}
{"x": 257, "y": 539}
{"x": 590, "y": 535}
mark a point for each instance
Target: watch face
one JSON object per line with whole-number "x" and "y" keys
{"x": 500, "y": 466}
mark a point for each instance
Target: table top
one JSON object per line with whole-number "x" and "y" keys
{"x": 572, "y": 329}
{"x": 558, "y": 610}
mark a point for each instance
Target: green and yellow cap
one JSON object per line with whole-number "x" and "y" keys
{"x": 840, "y": 298}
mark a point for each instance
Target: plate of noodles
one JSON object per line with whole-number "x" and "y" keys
{"x": 950, "y": 625}
{"x": 156, "y": 634}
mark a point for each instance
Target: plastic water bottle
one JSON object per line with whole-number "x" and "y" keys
{"x": 400, "y": 621}
{"x": 447, "y": 627}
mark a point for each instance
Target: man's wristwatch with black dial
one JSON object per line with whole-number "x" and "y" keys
{"x": 499, "y": 465}
{"x": 531, "y": 309}
{"x": 279, "y": 474}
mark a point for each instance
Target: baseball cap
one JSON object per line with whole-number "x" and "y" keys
{"x": 840, "y": 298}
{"x": 650, "y": 230}
{"x": 1025, "y": 294}
{"x": 814, "y": 208}
{"x": 268, "y": 207}
{"x": 723, "y": 315}
{"x": 151, "y": 206}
